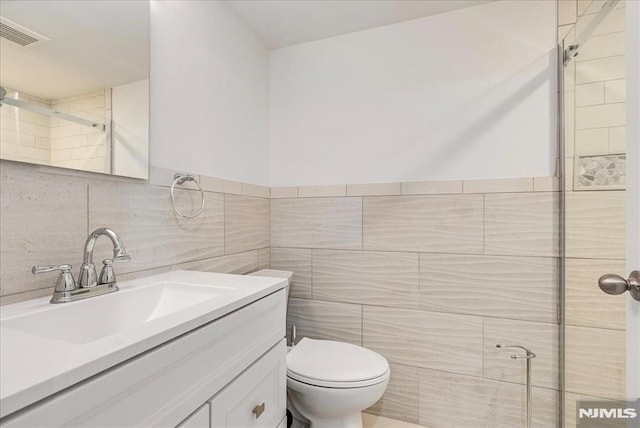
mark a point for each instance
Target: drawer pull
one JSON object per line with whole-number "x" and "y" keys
{"x": 258, "y": 410}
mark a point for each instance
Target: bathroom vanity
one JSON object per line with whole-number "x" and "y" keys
{"x": 188, "y": 349}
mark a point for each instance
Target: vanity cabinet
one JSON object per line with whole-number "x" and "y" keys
{"x": 201, "y": 418}
{"x": 257, "y": 398}
{"x": 230, "y": 372}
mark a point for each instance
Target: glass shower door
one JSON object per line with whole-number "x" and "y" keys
{"x": 601, "y": 234}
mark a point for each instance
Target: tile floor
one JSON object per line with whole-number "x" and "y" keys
{"x": 373, "y": 421}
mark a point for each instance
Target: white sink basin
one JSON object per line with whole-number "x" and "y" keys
{"x": 93, "y": 319}
{"x": 45, "y": 348}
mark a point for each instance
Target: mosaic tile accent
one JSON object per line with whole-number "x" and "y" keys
{"x": 605, "y": 171}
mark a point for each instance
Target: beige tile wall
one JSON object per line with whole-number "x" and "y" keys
{"x": 432, "y": 276}
{"x": 451, "y": 223}
{"x": 425, "y": 276}
{"x": 454, "y": 400}
{"x": 595, "y": 220}
{"x": 46, "y": 214}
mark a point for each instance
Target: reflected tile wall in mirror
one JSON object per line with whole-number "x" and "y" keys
{"x": 78, "y": 97}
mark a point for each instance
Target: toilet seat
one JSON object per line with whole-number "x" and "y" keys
{"x": 333, "y": 384}
{"x": 331, "y": 364}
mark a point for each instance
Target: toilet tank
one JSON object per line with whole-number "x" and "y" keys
{"x": 273, "y": 273}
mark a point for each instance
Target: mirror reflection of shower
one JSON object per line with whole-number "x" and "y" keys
{"x": 37, "y": 108}
{"x": 103, "y": 131}
{"x": 61, "y": 99}
{"x": 68, "y": 132}
{"x": 573, "y": 49}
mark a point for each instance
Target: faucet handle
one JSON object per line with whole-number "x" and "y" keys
{"x": 122, "y": 258}
{"x": 107, "y": 274}
{"x": 65, "y": 281}
{"x": 50, "y": 268}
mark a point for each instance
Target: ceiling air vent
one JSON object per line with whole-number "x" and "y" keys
{"x": 18, "y": 34}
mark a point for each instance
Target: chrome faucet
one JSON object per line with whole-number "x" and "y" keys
{"x": 88, "y": 277}
{"x": 67, "y": 290}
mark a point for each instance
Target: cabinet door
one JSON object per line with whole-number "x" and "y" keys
{"x": 257, "y": 398}
{"x": 198, "y": 419}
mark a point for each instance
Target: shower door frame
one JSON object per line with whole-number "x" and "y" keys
{"x": 632, "y": 232}
{"x": 561, "y": 223}
{"x": 632, "y": 55}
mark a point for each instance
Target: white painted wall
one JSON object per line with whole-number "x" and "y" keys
{"x": 130, "y": 129}
{"x": 463, "y": 95}
{"x": 209, "y": 92}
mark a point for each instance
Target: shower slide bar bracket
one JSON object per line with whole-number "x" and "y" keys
{"x": 528, "y": 352}
{"x": 528, "y": 356}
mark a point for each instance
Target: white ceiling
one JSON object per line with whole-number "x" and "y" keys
{"x": 282, "y": 23}
{"x": 93, "y": 45}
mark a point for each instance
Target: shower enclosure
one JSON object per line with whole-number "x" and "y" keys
{"x": 600, "y": 155}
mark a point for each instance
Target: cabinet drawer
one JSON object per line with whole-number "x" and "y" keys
{"x": 257, "y": 398}
{"x": 199, "y": 419}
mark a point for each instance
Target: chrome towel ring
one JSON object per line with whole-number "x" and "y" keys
{"x": 180, "y": 179}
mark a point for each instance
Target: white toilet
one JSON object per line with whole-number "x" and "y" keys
{"x": 330, "y": 383}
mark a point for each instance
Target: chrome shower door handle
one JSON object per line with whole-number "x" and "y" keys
{"x": 615, "y": 284}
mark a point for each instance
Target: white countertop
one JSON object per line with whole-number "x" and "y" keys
{"x": 33, "y": 366}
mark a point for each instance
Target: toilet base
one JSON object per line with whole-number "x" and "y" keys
{"x": 344, "y": 421}
{"x": 354, "y": 421}
{"x": 299, "y": 421}
{"x": 349, "y": 421}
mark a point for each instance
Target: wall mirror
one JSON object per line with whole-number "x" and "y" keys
{"x": 74, "y": 79}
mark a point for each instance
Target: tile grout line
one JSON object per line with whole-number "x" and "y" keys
{"x": 88, "y": 219}
{"x": 438, "y": 253}
{"x": 207, "y": 258}
{"x": 420, "y": 368}
{"x": 483, "y": 347}
{"x": 402, "y": 192}
{"x": 484, "y": 224}
{"x": 418, "y": 397}
{"x": 362, "y": 223}
{"x": 456, "y": 314}
{"x": 224, "y": 224}
{"x": 419, "y": 281}
{"x": 361, "y": 325}
{"x": 311, "y": 268}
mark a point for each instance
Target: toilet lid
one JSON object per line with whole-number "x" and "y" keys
{"x": 330, "y": 361}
